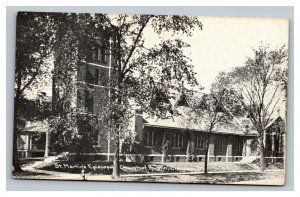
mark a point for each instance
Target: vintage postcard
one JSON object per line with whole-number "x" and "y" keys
{"x": 150, "y": 98}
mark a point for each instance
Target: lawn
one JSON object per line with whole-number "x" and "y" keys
{"x": 105, "y": 168}
{"x": 219, "y": 172}
{"x": 264, "y": 178}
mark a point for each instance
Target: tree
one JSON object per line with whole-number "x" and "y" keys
{"x": 211, "y": 112}
{"x": 147, "y": 74}
{"x": 61, "y": 37}
{"x": 140, "y": 73}
{"x": 260, "y": 87}
{"x": 34, "y": 39}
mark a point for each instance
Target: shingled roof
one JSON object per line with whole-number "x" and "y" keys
{"x": 182, "y": 121}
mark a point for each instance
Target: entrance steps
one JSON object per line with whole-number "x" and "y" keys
{"x": 46, "y": 162}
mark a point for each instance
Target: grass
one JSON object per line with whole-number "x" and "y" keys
{"x": 71, "y": 171}
{"x": 105, "y": 168}
{"x": 219, "y": 178}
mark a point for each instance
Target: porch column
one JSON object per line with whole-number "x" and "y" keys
{"x": 283, "y": 146}
{"x": 211, "y": 148}
{"x": 244, "y": 151}
{"x": 30, "y": 145}
{"x": 108, "y": 146}
{"x": 273, "y": 147}
{"x": 27, "y": 144}
{"x": 284, "y": 149}
{"x": 229, "y": 148}
{"x": 248, "y": 151}
{"x": 47, "y": 143}
{"x": 192, "y": 142}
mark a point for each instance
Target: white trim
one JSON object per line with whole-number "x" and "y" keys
{"x": 271, "y": 122}
{"x": 179, "y": 155}
{"x": 150, "y": 155}
{"x": 273, "y": 157}
{"x": 178, "y": 128}
{"x": 160, "y": 155}
{"x": 92, "y": 154}
{"x": 99, "y": 86}
{"x": 94, "y": 64}
{"x": 149, "y": 146}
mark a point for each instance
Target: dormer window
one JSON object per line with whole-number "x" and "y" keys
{"x": 182, "y": 101}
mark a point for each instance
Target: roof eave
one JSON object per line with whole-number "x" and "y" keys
{"x": 170, "y": 127}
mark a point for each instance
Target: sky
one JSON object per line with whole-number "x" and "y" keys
{"x": 225, "y": 42}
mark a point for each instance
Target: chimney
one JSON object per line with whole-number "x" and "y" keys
{"x": 139, "y": 125}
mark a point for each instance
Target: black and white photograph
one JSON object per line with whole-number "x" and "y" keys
{"x": 150, "y": 98}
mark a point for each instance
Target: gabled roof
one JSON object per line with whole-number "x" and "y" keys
{"x": 272, "y": 121}
{"x": 183, "y": 121}
{"x": 182, "y": 101}
{"x": 183, "y": 104}
{"x": 36, "y": 126}
{"x": 175, "y": 123}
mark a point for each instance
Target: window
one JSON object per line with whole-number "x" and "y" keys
{"x": 219, "y": 143}
{"x": 237, "y": 143}
{"x": 177, "y": 140}
{"x": 97, "y": 76}
{"x": 101, "y": 54}
{"x": 200, "y": 142}
{"x": 96, "y": 139}
{"x": 93, "y": 54}
{"x": 151, "y": 138}
{"x": 89, "y": 101}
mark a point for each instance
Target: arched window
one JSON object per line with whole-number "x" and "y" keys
{"x": 219, "y": 143}
{"x": 177, "y": 140}
{"x": 237, "y": 143}
{"x": 151, "y": 138}
{"x": 200, "y": 142}
{"x": 100, "y": 54}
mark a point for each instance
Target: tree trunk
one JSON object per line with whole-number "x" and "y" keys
{"x": 16, "y": 163}
{"x": 47, "y": 144}
{"x": 188, "y": 154}
{"x": 116, "y": 162}
{"x": 164, "y": 156}
{"x": 262, "y": 154}
{"x": 206, "y": 155}
{"x": 164, "y": 148}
